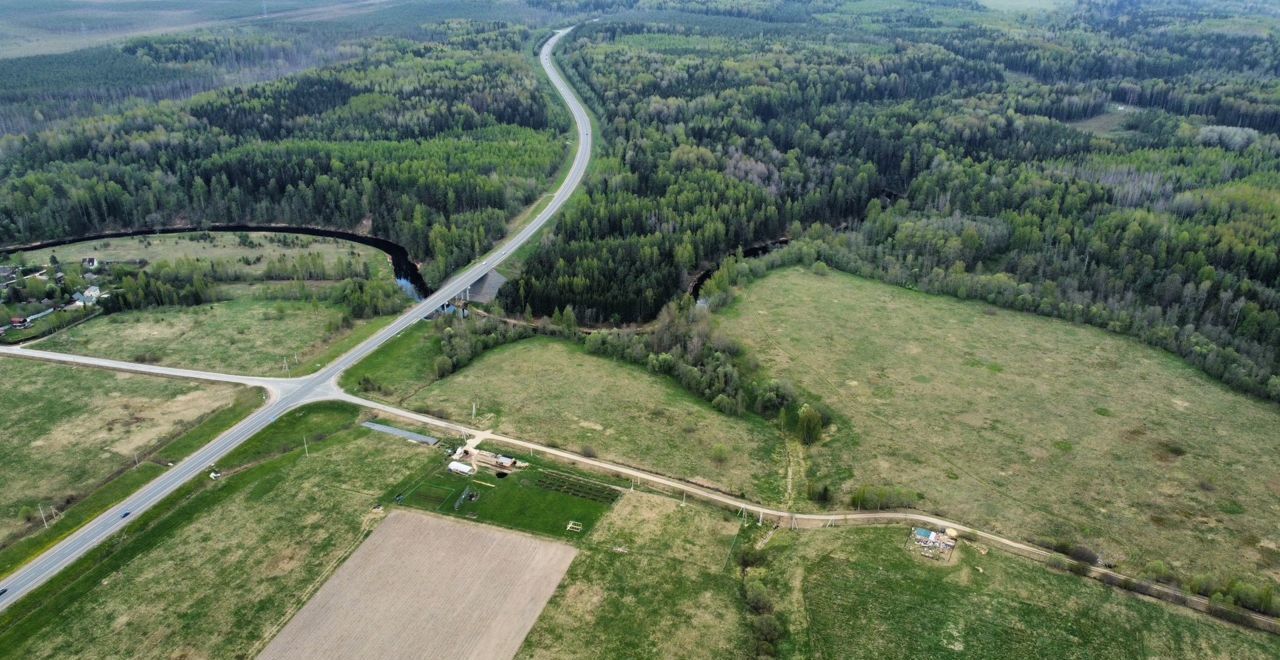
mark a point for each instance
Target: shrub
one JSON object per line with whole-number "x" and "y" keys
{"x": 767, "y": 628}
{"x": 809, "y": 424}
{"x": 443, "y": 366}
{"x": 719, "y": 454}
{"x": 1082, "y": 554}
{"x": 758, "y": 598}
{"x": 588, "y": 451}
{"x": 1158, "y": 571}
{"x": 882, "y": 497}
{"x": 751, "y": 556}
{"x": 1079, "y": 568}
{"x": 820, "y": 494}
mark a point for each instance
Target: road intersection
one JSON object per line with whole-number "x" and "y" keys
{"x": 284, "y": 395}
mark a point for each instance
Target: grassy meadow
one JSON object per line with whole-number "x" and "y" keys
{"x": 653, "y": 580}
{"x": 860, "y": 593}
{"x": 217, "y": 569}
{"x": 248, "y": 336}
{"x": 1026, "y": 426}
{"x": 70, "y": 429}
{"x": 553, "y": 392}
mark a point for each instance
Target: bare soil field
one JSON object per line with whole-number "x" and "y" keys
{"x": 422, "y": 586}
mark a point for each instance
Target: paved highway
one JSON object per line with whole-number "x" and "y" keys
{"x": 286, "y": 394}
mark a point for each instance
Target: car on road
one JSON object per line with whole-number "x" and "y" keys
{"x": 3, "y": 591}
{"x": 125, "y": 514}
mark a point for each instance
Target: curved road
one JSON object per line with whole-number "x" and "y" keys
{"x": 286, "y": 394}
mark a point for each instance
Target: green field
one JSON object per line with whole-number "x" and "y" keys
{"x": 553, "y": 392}
{"x": 1025, "y": 426}
{"x": 244, "y": 335}
{"x": 859, "y": 593}
{"x": 542, "y": 498}
{"x": 217, "y": 568}
{"x": 68, "y": 430}
{"x": 399, "y": 368}
{"x": 654, "y": 580}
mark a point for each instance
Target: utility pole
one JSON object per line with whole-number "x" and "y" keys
{"x": 473, "y": 410}
{"x": 42, "y": 518}
{"x": 305, "y": 448}
{"x": 135, "y": 460}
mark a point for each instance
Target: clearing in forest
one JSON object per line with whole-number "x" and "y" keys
{"x": 429, "y": 587}
{"x": 1026, "y": 426}
{"x": 555, "y": 393}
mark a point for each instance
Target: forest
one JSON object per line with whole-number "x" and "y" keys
{"x": 1112, "y": 162}
{"x": 432, "y": 144}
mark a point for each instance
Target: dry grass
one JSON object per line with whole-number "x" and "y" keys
{"x": 244, "y": 336}
{"x": 1024, "y": 425}
{"x": 464, "y": 591}
{"x": 555, "y": 393}
{"x": 220, "y": 246}
{"x": 68, "y": 428}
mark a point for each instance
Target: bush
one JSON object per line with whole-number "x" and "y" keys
{"x": 1082, "y": 554}
{"x": 809, "y": 424}
{"x": 758, "y": 598}
{"x": 882, "y": 497}
{"x": 1158, "y": 571}
{"x": 767, "y": 628}
{"x": 820, "y": 494}
{"x": 719, "y": 454}
{"x": 588, "y": 451}
{"x": 751, "y": 556}
{"x": 1079, "y": 567}
{"x": 443, "y": 366}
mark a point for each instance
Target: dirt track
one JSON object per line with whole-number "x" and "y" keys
{"x": 428, "y": 587}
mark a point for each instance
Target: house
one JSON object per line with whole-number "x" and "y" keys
{"x": 89, "y": 296}
{"x": 19, "y": 322}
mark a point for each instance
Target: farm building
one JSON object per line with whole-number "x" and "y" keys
{"x": 427, "y": 440}
{"x": 934, "y": 545}
{"x": 458, "y": 467}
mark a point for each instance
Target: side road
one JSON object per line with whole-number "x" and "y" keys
{"x": 287, "y": 395}
{"x": 814, "y": 520}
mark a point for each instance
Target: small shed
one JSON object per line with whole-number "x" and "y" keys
{"x": 463, "y": 469}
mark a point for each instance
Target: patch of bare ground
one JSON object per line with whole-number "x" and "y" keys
{"x": 428, "y": 587}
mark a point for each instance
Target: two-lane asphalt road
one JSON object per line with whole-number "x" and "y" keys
{"x": 291, "y": 393}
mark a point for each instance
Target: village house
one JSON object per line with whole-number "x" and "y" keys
{"x": 89, "y": 296}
